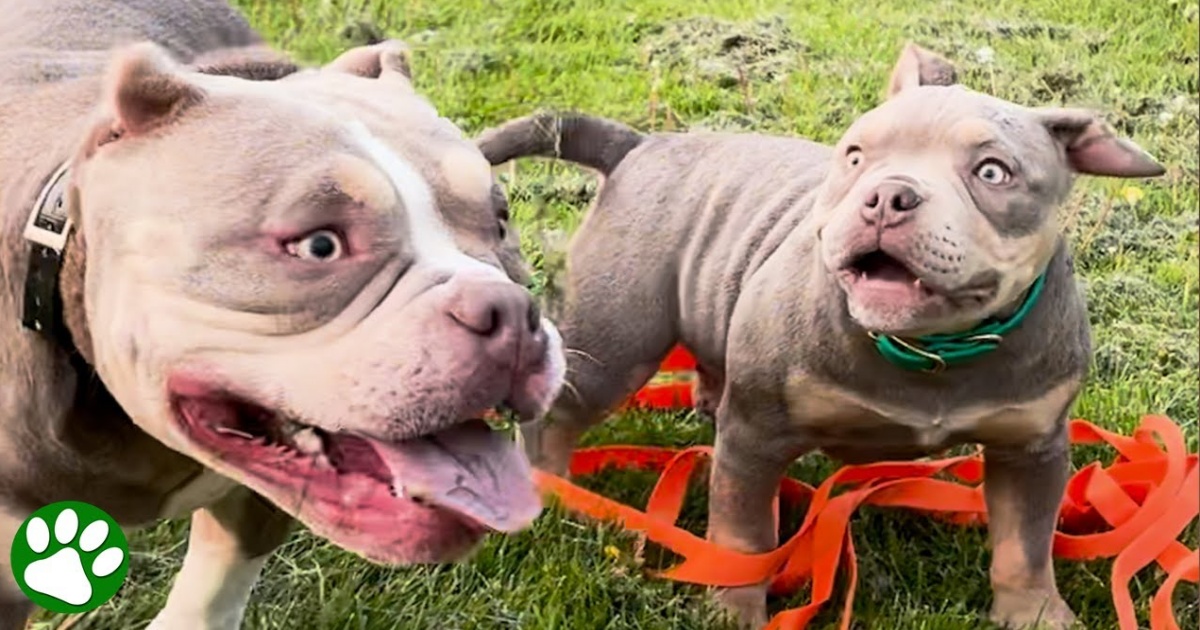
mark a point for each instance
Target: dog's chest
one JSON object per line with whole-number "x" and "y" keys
{"x": 836, "y": 417}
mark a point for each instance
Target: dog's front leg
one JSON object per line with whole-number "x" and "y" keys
{"x": 1024, "y": 488}
{"x": 747, "y": 467}
{"x": 229, "y": 543}
{"x": 15, "y": 608}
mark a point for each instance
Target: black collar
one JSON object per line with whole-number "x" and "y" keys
{"x": 48, "y": 231}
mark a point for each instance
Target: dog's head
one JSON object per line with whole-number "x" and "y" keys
{"x": 939, "y": 207}
{"x": 309, "y": 285}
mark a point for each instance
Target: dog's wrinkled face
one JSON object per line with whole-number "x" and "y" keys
{"x": 939, "y": 208}
{"x": 301, "y": 283}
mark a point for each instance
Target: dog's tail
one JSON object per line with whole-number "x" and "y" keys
{"x": 594, "y": 142}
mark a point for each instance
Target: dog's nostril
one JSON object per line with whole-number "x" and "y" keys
{"x": 905, "y": 199}
{"x": 481, "y": 319}
{"x": 873, "y": 200}
{"x": 495, "y": 310}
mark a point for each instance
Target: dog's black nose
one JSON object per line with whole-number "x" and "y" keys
{"x": 890, "y": 202}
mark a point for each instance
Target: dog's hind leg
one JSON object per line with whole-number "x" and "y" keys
{"x": 229, "y": 543}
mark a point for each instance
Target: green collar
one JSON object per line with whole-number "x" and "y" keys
{"x": 934, "y": 353}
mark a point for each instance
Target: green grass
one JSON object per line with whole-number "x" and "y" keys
{"x": 807, "y": 68}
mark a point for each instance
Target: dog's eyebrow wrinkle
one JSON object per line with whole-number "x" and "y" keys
{"x": 973, "y": 132}
{"x": 873, "y": 136}
{"x": 431, "y": 239}
{"x": 980, "y": 145}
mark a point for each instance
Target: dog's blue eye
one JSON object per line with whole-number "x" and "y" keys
{"x": 321, "y": 245}
{"x": 993, "y": 172}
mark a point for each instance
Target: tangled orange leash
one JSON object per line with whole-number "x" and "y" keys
{"x": 1133, "y": 510}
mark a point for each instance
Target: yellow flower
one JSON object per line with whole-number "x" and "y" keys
{"x": 1132, "y": 194}
{"x": 612, "y": 552}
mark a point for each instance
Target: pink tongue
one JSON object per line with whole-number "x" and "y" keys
{"x": 470, "y": 469}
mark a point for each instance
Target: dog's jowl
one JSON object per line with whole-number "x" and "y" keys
{"x": 250, "y": 291}
{"x": 900, "y": 292}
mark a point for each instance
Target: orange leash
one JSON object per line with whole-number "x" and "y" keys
{"x": 1133, "y": 510}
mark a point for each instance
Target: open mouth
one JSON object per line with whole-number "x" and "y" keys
{"x": 877, "y": 269}
{"x": 878, "y": 277}
{"x": 394, "y": 501}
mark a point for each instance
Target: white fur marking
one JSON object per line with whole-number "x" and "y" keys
{"x": 431, "y": 239}
{"x": 211, "y": 590}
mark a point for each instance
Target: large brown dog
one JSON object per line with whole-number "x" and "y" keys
{"x": 901, "y": 292}
{"x": 248, "y": 291}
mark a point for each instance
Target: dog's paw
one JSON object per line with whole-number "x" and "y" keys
{"x": 61, "y": 570}
{"x": 1033, "y": 611}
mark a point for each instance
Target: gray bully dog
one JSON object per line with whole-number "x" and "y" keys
{"x": 250, "y": 292}
{"x": 903, "y": 291}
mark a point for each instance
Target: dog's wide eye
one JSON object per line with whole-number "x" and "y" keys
{"x": 854, "y": 156}
{"x": 993, "y": 172}
{"x": 321, "y": 246}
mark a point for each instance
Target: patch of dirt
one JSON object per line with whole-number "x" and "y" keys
{"x": 474, "y": 61}
{"x": 723, "y": 120}
{"x": 362, "y": 33}
{"x": 961, "y": 37}
{"x": 1058, "y": 86}
{"x": 989, "y": 29}
{"x": 1134, "y": 111}
{"x": 726, "y": 53}
{"x": 572, "y": 187}
{"x": 1026, "y": 30}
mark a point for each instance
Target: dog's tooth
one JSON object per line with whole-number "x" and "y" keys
{"x": 399, "y": 491}
{"x": 233, "y": 432}
{"x": 306, "y": 440}
{"x": 917, "y": 283}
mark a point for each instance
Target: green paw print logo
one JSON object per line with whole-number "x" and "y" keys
{"x": 70, "y": 557}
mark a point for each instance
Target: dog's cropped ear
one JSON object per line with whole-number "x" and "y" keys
{"x": 389, "y": 58}
{"x": 144, "y": 89}
{"x": 1093, "y": 148}
{"x": 918, "y": 66}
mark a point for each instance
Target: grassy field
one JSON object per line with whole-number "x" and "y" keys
{"x": 796, "y": 67}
